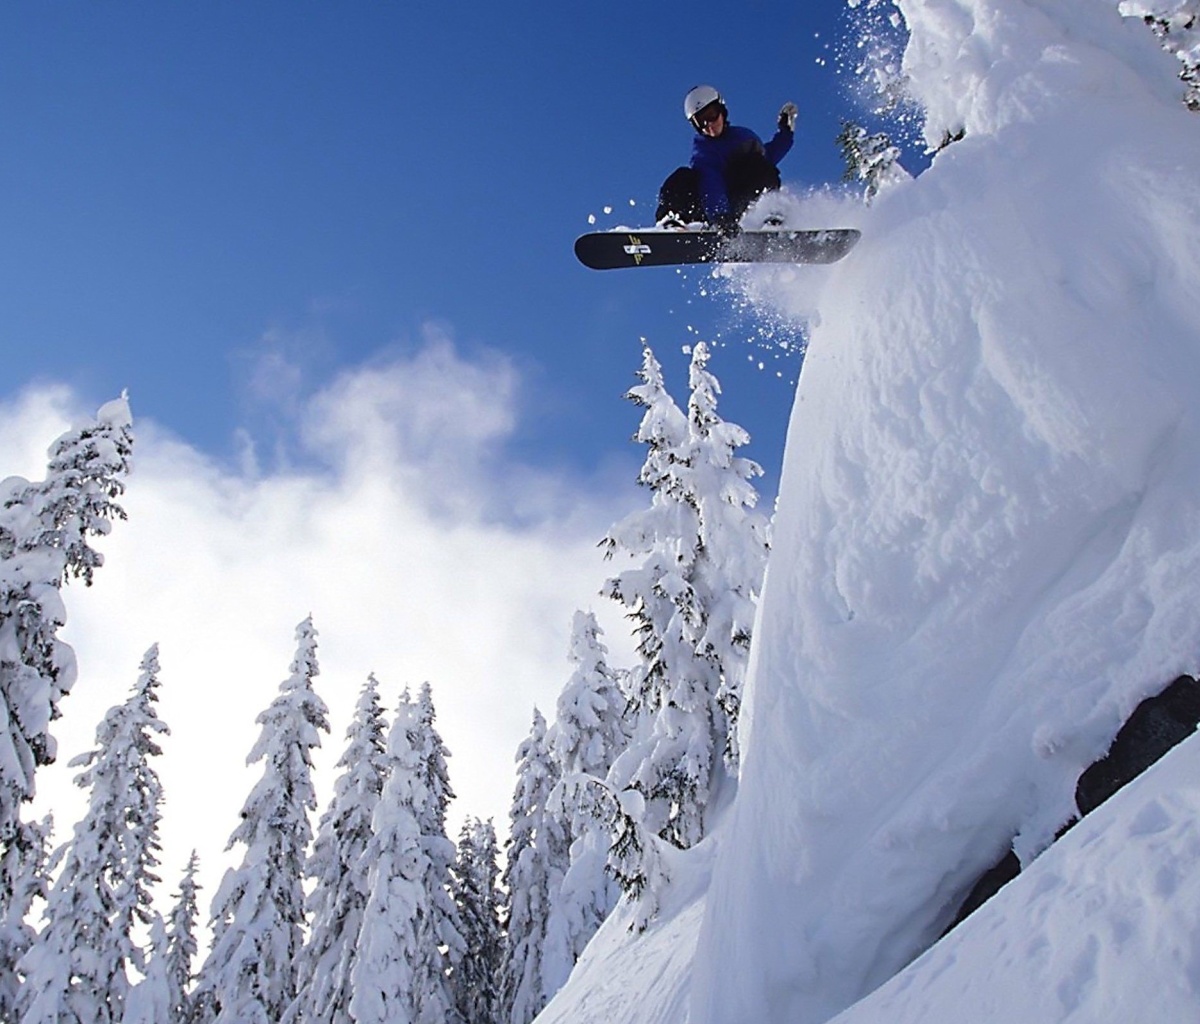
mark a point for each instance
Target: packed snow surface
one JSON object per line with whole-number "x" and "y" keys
{"x": 627, "y": 975}
{"x": 1100, "y": 928}
{"x": 986, "y": 551}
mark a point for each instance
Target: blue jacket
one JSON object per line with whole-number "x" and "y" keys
{"x": 710, "y": 158}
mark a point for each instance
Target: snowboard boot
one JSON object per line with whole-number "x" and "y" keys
{"x": 671, "y": 222}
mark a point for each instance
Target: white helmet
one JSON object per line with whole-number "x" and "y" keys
{"x": 698, "y": 98}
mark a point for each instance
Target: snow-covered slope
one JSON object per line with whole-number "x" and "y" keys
{"x": 626, "y": 976}
{"x": 1101, "y": 928}
{"x": 987, "y": 546}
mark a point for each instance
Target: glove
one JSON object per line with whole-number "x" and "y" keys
{"x": 787, "y": 117}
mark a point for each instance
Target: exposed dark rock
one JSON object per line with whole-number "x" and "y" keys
{"x": 1156, "y": 725}
{"x": 986, "y": 886}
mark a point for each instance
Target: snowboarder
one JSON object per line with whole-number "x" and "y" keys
{"x": 730, "y": 166}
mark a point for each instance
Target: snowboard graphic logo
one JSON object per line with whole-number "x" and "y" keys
{"x": 637, "y": 249}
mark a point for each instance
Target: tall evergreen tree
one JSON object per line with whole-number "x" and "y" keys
{"x": 589, "y": 730}
{"x": 439, "y": 846}
{"x": 646, "y": 589}
{"x": 703, "y": 552}
{"x": 401, "y": 974}
{"x": 23, "y": 878}
{"x": 340, "y": 869}
{"x": 586, "y": 738}
{"x": 477, "y": 897}
{"x": 181, "y": 947}
{"x": 76, "y": 968}
{"x": 249, "y": 976}
{"x": 433, "y": 758}
{"x": 44, "y": 541}
{"x": 733, "y": 549}
{"x": 538, "y": 857}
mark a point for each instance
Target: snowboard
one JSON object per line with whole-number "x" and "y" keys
{"x": 662, "y": 247}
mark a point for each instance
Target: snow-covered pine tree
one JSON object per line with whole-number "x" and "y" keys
{"x": 149, "y": 1001}
{"x": 1176, "y": 23}
{"x": 650, "y": 591}
{"x": 635, "y": 856}
{"x": 22, "y": 880}
{"x": 871, "y": 160}
{"x": 703, "y": 552}
{"x": 588, "y": 735}
{"x": 249, "y": 976}
{"x": 400, "y": 974}
{"x": 589, "y": 730}
{"x": 76, "y": 968}
{"x": 339, "y": 869}
{"x": 438, "y": 845}
{"x": 85, "y": 477}
{"x": 734, "y": 544}
{"x": 537, "y": 860}
{"x": 477, "y": 897}
{"x": 437, "y": 773}
{"x": 646, "y": 589}
{"x": 44, "y": 532}
{"x": 181, "y": 944}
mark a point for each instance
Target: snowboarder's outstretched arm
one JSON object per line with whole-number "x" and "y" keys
{"x": 785, "y": 134}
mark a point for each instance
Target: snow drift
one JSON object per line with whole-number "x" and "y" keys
{"x": 987, "y": 545}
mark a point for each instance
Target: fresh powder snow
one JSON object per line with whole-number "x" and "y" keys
{"x": 986, "y": 553}
{"x": 1101, "y": 928}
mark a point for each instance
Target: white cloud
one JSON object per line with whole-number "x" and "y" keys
{"x": 438, "y": 420}
{"x": 422, "y": 552}
{"x": 29, "y": 422}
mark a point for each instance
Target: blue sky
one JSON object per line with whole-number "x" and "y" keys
{"x": 344, "y": 232}
{"x": 185, "y": 187}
